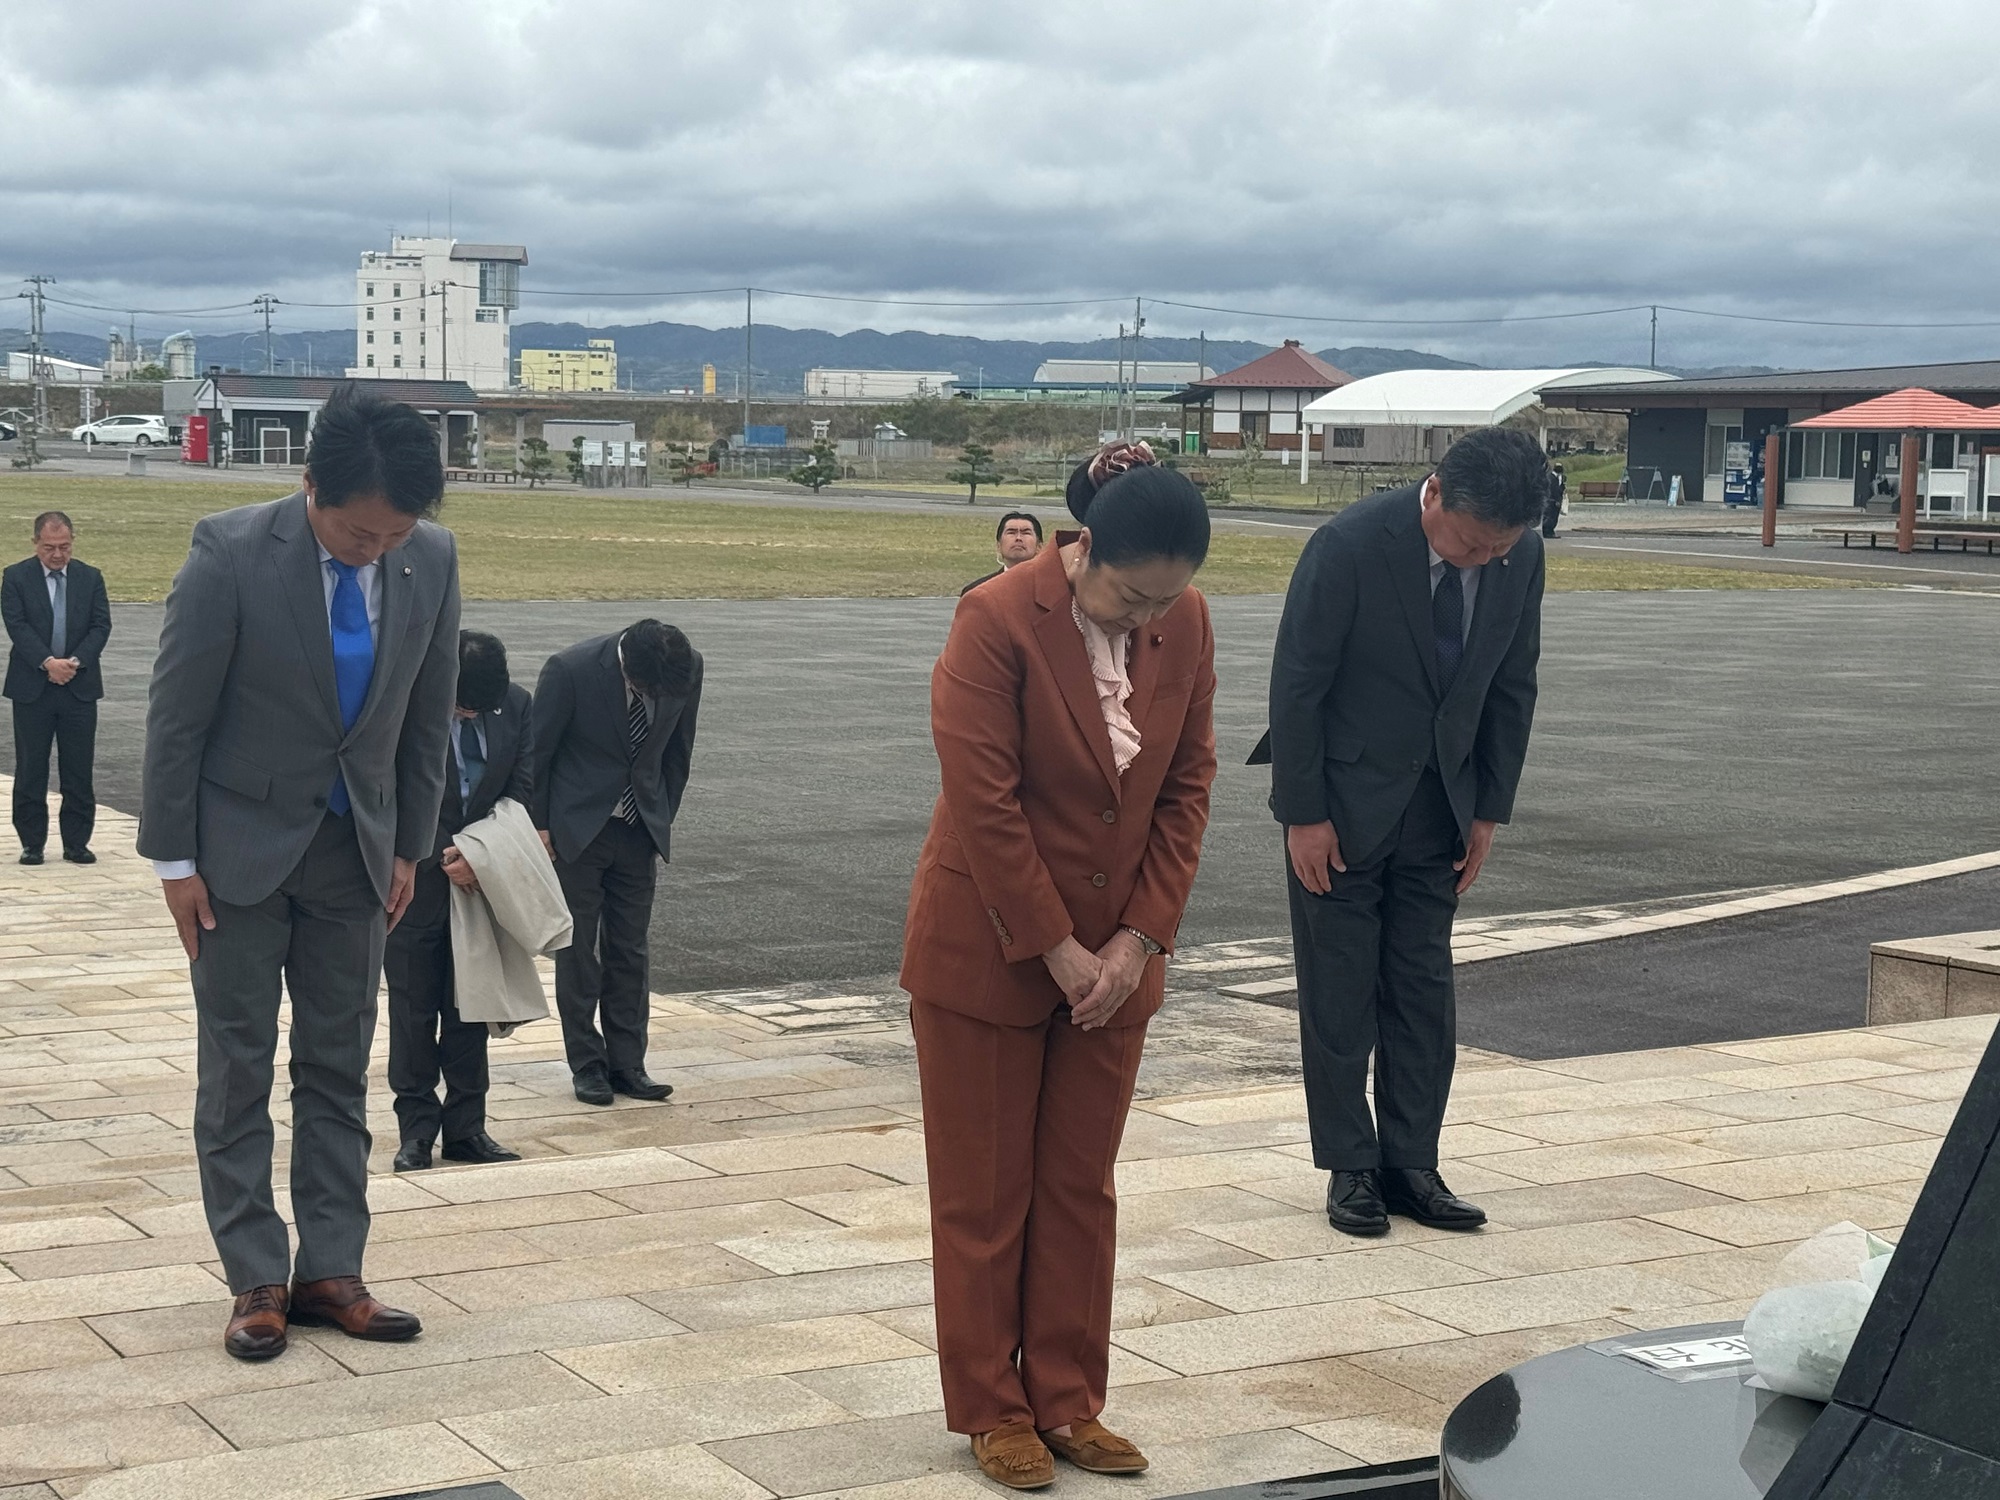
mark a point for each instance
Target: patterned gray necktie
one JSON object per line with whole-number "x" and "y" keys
{"x": 59, "y": 635}
{"x": 635, "y": 739}
{"x": 1448, "y": 624}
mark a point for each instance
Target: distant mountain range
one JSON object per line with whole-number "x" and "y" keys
{"x": 662, "y": 356}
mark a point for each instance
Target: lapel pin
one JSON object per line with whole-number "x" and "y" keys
{"x": 1159, "y": 640}
{"x": 406, "y": 572}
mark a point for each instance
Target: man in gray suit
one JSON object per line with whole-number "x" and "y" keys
{"x": 295, "y": 751}
{"x": 613, "y": 741}
{"x": 1402, "y": 691}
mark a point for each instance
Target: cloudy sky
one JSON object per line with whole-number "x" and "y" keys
{"x": 1414, "y": 163}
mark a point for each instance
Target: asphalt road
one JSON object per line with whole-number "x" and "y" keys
{"x": 1778, "y": 973}
{"x": 1686, "y": 742}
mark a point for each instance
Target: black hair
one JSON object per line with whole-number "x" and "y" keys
{"x": 56, "y": 518}
{"x": 1145, "y": 513}
{"x": 363, "y": 445}
{"x": 1496, "y": 475}
{"x": 657, "y": 659}
{"x": 1019, "y": 515}
{"x": 482, "y": 671}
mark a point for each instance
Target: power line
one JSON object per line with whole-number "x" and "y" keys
{"x": 1293, "y": 317}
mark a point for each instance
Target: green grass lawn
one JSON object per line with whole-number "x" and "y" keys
{"x": 568, "y": 544}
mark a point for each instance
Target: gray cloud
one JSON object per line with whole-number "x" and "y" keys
{"x": 1430, "y": 160}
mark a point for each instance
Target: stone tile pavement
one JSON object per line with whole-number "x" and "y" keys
{"x": 727, "y": 1295}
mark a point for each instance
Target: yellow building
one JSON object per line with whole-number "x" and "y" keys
{"x": 594, "y": 368}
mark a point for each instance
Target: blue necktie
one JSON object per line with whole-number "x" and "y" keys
{"x": 472, "y": 759}
{"x": 1448, "y": 624}
{"x": 353, "y": 660}
{"x": 59, "y": 608}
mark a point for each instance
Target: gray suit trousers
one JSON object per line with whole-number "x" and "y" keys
{"x": 321, "y": 932}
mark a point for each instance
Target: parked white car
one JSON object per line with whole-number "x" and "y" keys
{"x": 143, "y": 432}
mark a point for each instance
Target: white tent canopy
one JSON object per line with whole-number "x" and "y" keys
{"x": 1452, "y": 398}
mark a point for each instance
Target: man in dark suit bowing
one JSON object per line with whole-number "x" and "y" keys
{"x": 1402, "y": 691}
{"x": 489, "y": 757}
{"x": 58, "y": 620}
{"x": 614, "y": 738}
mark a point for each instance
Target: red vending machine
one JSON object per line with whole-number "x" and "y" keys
{"x": 194, "y": 440}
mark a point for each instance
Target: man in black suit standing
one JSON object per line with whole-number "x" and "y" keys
{"x": 1016, "y": 540}
{"x": 1402, "y": 691}
{"x": 613, "y": 741}
{"x": 489, "y": 758}
{"x": 58, "y": 619}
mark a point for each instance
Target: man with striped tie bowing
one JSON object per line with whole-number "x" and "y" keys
{"x": 613, "y": 740}
{"x": 295, "y": 748}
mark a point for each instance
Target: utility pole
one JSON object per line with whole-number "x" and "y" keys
{"x": 749, "y": 321}
{"x": 38, "y": 362}
{"x": 1118, "y": 416}
{"x": 1138, "y": 326}
{"x": 444, "y": 346}
{"x": 266, "y": 301}
{"x": 1653, "y": 345}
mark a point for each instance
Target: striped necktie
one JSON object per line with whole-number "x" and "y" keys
{"x": 636, "y": 726}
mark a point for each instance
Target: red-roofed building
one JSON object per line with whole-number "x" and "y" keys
{"x": 1258, "y": 403}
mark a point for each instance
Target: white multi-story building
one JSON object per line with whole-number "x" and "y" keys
{"x": 437, "y": 309}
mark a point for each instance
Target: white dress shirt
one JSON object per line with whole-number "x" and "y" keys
{"x": 369, "y": 576}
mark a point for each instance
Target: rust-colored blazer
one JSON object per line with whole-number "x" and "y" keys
{"x": 1036, "y": 836}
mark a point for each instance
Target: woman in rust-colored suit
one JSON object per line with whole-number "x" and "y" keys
{"x": 1072, "y": 714}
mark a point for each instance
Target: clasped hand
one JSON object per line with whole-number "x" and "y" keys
{"x": 1097, "y": 983}
{"x": 60, "y": 669}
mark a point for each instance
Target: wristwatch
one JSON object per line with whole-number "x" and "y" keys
{"x": 1153, "y": 949}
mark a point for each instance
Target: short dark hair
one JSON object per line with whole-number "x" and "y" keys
{"x": 1496, "y": 475}
{"x": 1144, "y": 513}
{"x": 363, "y": 445}
{"x": 50, "y": 518}
{"x": 657, "y": 659}
{"x": 482, "y": 671}
{"x": 1019, "y": 515}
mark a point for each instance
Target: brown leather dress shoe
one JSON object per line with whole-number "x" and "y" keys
{"x": 1012, "y": 1455}
{"x": 1096, "y": 1448}
{"x": 343, "y": 1302}
{"x": 257, "y": 1324}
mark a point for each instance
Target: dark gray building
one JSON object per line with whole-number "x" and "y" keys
{"x": 1684, "y": 428}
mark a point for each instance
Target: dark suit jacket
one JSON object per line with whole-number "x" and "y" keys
{"x": 509, "y": 754}
{"x": 24, "y": 605}
{"x": 580, "y": 767}
{"x": 1036, "y": 836}
{"x": 1355, "y": 710}
{"x": 982, "y": 578}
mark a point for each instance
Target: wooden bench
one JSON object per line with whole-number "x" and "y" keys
{"x": 482, "y": 476}
{"x": 1598, "y": 489}
{"x": 1937, "y": 539}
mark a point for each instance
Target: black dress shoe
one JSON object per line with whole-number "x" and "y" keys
{"x": 1419, "y": 1193}
{"x": 480, "y": 1147}
{"x": 31, "y": 856}
{"x": 1354, "y": 1204}
{"x": 591, "y": 1087}
{"x": 414, "y": 1157}
{"x": 79, "y": 856}
{"x": 639, "y": 1086}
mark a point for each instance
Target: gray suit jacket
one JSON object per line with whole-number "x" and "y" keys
{"x": 243, "y": 731}
{"x": 580, "y": 766}
{"x": 1356, "y": 713}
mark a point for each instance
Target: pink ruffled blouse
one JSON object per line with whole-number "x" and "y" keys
{"x": 1109, "y": 660}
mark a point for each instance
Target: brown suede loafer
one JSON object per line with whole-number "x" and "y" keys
{"x": 343, "y": 1302}
{"x": 1012, "y": 1455}
{"x": 257, "y": 1324}
{"x": 1096, "y": 1448}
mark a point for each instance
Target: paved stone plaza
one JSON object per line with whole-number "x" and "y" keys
{"x": 727, "y": 1295}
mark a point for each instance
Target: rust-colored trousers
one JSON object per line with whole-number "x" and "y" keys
{"x": 1021, "y": 1130}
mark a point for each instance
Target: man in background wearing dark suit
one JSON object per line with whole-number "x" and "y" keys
{"x": 488, "y": 758}
{"x": 1402, "y": 691}
{"x": 613, "y": 741}
{"x": 58, "y": 619}
{"x": 1016, "y": 540}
